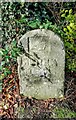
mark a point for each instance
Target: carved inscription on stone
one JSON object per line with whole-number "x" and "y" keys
{"x": 41, "y": 67}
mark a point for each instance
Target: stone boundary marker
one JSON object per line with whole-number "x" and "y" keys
{"x": 41, "y": 67}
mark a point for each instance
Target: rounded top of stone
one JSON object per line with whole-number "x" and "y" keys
{"x": 50, "y": 35}
{"x": 40, "y": 32}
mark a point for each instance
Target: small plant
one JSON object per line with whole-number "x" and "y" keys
{"x": 8, "y": 54}
{"x": 70, "y": 23}
{"x": 45, "y": 25}
{"x": 69, "y": 29}
{"x": 63, "y": 113}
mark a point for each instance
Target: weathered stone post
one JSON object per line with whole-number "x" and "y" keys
{"x": 41, "y": 67}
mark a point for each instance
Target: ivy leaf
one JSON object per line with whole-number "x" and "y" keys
{"x": 67, "y": 44}
{"x": 1, "y": 68}
{"x": 41, "y": 27}
{"x": 2, "y": 63}
{"x": 1, "y": 52}
{"x": 70, "y": 11}
{"x": 7, "y": 58}
{"x": 16, "y": 49}
{"x": 46, "y": 26}
{"x": 63, "y": 15}
{"x": 13, "y": 53}
{"x": 34, "y": 24}
{"x": 6, "y": 71}
{"x": 5, "y": 52}
{"x": 14, "y": 43}
{"x": 23, "y": 20}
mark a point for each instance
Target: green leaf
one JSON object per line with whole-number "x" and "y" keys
{"x": 0, "y": 88}
{"x": 63, "y": 15}
{"x": 69, "y": 45}
{"x": 65, "y": 29}
{"x": 69, "y": 28}
{"x": 14, "y": 43}
{"x": 7, "y": 58}
{"x": 23, "y": 20}
{"x": 46, "y": 26}
{"x": 13, "y": 53}
{"x": 7, "y": 47}
{"x": 41, "y": 26}
{"x": 34, "y": 24}
{"x": 66, "y": 11}
{"x": 2, "y": 63}
{"x": 1, "y": 52}
{"x": 5, "y": 52}
{"x": 0, "y": 83}
{"x": 70, "y": 11}
{"x": 6, "y": 71}
{"x": 1, "y": 67}
{"x": 1, "y": 76}
{"x": 16, "y": 49}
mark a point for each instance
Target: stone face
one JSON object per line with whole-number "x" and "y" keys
{"x": 41, "y": 67}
